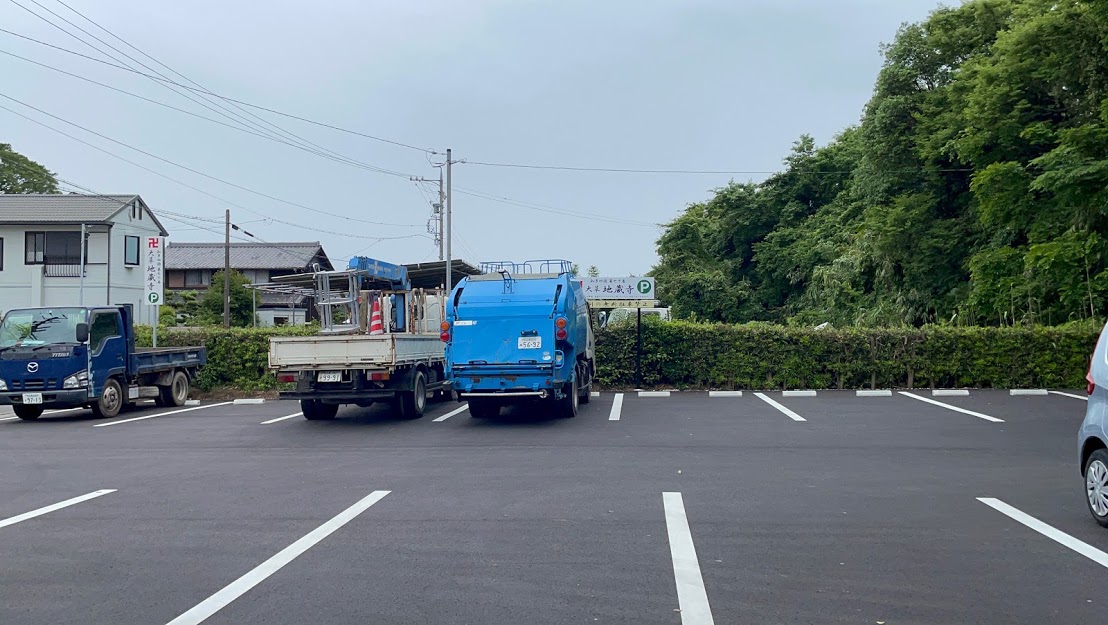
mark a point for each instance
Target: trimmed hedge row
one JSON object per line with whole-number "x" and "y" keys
{"x": 752, "y": 356}
{"x": 691, "y": 355}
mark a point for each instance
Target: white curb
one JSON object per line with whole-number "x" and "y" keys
{"x": 1028, "y": 391}
{"x": 725, "y": 393}
{"x": 874, "y": 393}
{"x": 192, "y": 402}
{"x": 653, "y": 393}
{"x": 594, "y": 394}
{"x": 240, "y": 402}
{"x": 949, "y": 392}
{"x": 798, "y": 393}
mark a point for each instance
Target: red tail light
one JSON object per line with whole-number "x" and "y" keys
{"x": 445, "y": 337}
{"x": 286, "y": 378}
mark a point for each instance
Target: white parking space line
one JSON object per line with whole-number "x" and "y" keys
{"x": 57, "y": 506}
{"x": 451, "y": 413}
{"x": 789, "y": 413}
{"x": 798, "y": 393}
{"x": 291, "y": 416}
{"x": 1069, "y": 395}
{"x": 161, "y": 414}
{"x": 954, "y": 408}
{"x": 691, "y": 596}
{"x": 725, "y": 393}
{"x": 873, "y": 393}
{"x": 1058, "y": 536}
{"x": 258, "y": 574}
{"x": 1027, "y": 391}
{"x": 653, "y": 393}
{"x": 617, "y": 407}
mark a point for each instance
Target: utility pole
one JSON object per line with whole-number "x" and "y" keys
{"x": 227, "y": 272}
{"x": 438, "y": 208}
{"x": 446, "y": 232}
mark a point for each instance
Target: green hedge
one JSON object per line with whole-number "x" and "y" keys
{"x": 237, "y": 357}
{"x": 690, "y": 355}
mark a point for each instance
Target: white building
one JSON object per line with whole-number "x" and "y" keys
{"x": 40, "y": 250}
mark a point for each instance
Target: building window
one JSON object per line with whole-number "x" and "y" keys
{"x": 196, "y": 278}
{"x": 130, "y": 250}
{"x": 36, "y": 248}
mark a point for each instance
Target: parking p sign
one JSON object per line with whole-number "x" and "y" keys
{"x": 621, "y": 288}
{"x": 153, "y": 278}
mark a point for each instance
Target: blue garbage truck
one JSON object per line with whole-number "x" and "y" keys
{"x": 520, "y": 332}
{"x": 68, "y": 357}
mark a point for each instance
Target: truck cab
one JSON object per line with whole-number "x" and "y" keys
{"x": 68, "y": 357}
{"x": 518, "y": 332}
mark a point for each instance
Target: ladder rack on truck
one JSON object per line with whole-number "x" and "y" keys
{"x": 378, "y": 341}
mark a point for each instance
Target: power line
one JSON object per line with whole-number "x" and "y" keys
{"x": 185, "y": 167}
{"x": 223, "y": 97}
{"x": 712, "y": 172}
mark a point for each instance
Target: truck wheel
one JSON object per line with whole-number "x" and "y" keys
{"x": 483, "y": 408}
{"x": 413, "y": 403}
{"x": 315, "y": 410}
{"x": 585, "y": 393}
{"x": 177, "y": 393}
{"x": 27, "y": 413}
{"x": 568, "y": 404}
{"x": 111, "y": 400}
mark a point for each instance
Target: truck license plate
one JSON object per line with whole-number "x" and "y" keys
{"x": 330, "y": 376}
{"x": 32, "y": 398}
{"x": 530, "y": 342}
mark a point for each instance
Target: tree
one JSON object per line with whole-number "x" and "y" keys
{"x": 592, "y": 272}
{"x": 19, "y": 174}
{"x": 574, "y": 270}
{"x": 242, "y": 301}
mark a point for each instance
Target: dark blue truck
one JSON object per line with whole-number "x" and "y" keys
{"x": 520, "y": 332}
{"x": 70, "y": 357}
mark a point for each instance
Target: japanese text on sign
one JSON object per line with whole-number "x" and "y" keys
{"x": 625, "y": 288}
{"x": 154, "y": 275}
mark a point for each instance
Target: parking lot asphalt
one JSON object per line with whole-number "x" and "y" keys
{"x": 682, "y": 509}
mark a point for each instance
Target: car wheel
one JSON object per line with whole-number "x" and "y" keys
{"x": 27, "y": 413}
{"x": 1096, "y": 486}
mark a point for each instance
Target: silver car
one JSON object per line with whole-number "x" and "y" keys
{"x": 1094, "y": 434}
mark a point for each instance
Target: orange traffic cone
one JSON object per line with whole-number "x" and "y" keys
{"x": 375, "y": 325}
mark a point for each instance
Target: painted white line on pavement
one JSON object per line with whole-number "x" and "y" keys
{"x": 1069, "y": 395}
{"x": 451, "y": 414}
{"x": 725, "y": 393}
{"x": 161, "y": 414}
{"x": 1058, "y": 536}
{"x": 881, "y": 392}
{"x": 594, "y": 393}
{"x": 789, "y": 413}
{"x": 291, "y": 416}
{"x": 248, "y": 402}
{"x": 653, "y": 393}
{"x": 617, "y": 407}
{"x": 950, "y": 392}
{"x": 798, "y": 393}
{"x": 691, "y": 596}
{"x": 239, "y": 587}
{"x": 1027, "y": 391}
{"x": 58, "y": 506}
{"x": 954, "y": 408}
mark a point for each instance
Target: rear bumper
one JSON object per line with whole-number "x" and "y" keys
{"x": 341, "y": 396}
{"x": 50, "y": 399}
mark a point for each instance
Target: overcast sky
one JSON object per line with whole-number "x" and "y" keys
{"x": 654, "y": 84}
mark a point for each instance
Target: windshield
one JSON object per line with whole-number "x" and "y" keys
{"x": 40, "y": 326}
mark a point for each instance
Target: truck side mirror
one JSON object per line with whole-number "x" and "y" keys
{"x": 82, "y": 332}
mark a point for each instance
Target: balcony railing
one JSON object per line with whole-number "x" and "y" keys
{"x": 64, "y": 267}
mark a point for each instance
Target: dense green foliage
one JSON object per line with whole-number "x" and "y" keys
{"x": 762, "y": 355}
{"x": 237, "y": 357}
{"x": 19, "y": 174}
{"x": 975, "y": 189}
{"x": 210, "y": 304}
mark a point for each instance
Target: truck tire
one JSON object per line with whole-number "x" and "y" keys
{"x": 315, "y": 410}
{"x": 177, "y": 393}
{"x": 567, "y": 406}
{"x": 411, "y": 404}
{"x": 483, "y": 408}
{"x": 111, "y": 400}
{"x": 586, "y": 392}
{"x": 27, "y": 413}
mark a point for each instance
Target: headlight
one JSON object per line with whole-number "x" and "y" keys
{"x": 3, "y": 385}
{"x": 77, "y": 380}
